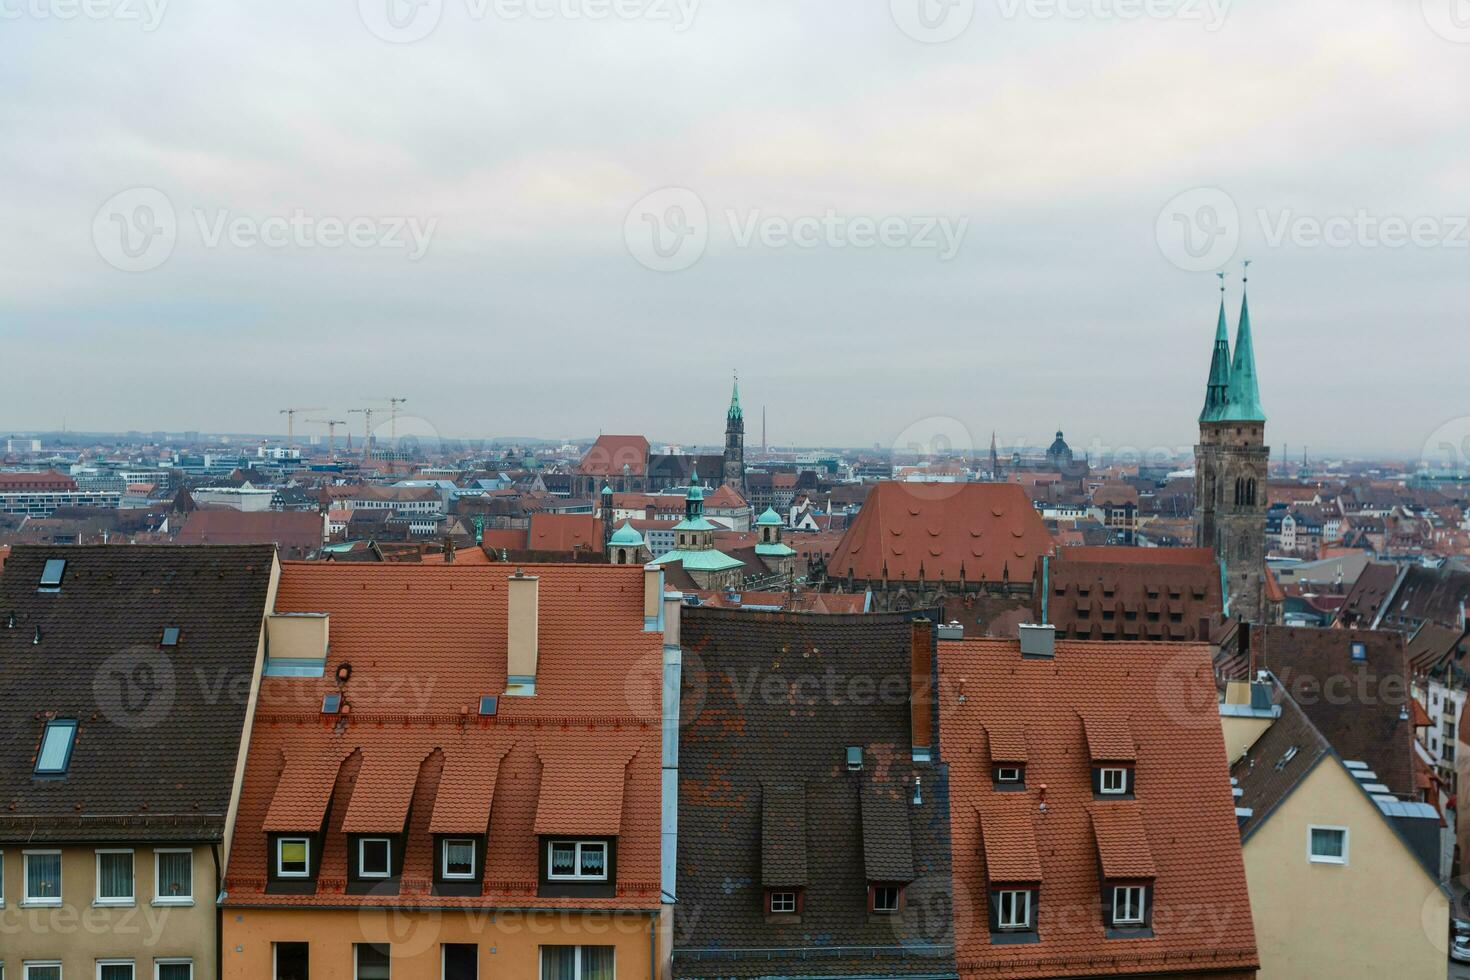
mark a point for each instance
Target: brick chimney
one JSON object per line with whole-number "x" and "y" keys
{"x": 921, "y": 687}
{"x": 522, "y": 633}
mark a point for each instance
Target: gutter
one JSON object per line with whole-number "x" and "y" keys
{"x": 219, "y": 915}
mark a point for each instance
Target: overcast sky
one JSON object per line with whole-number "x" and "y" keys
{"x": 216, "y": 210}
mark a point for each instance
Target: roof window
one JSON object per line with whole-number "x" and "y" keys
{"x": 488, "y": 704}
{"x": 56, "y": 744}
{"x": 331, "y": 704}
{"x": 170, "y": 637}
{"x": 51, "y": 574}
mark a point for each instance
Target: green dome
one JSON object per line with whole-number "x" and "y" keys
{"x": 768, "y": 518}
{"x": 627, "y": 537}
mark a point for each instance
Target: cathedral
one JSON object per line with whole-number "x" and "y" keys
{"x": 1230, "y": 466}
{"x": 627, "y": 464}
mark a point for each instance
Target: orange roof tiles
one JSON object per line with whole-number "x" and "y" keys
{"x": 609, "y": 454}
{"x": 565, "y": 532}
{"x": 582, "y": 781}
{"x": 1165, "y": 694}
{"x": 1116, "y": 554}
{"x": 1122, "y": 842}
{"x": 942, "y": 531}
{"x": 1108, "y": 739}
{"x": 1007, "y": 742}
{"x": 1008, "y": 834}
{"x": 425, "y": 642}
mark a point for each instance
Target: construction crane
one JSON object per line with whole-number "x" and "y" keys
{"x": 331, "y": 425}
{"x": 393, "y": 417}
{"x": 290, "y": 414}
{"x": 367, "y": 427}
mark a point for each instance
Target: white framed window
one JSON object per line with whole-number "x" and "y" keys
{"x": 375, "y": 857}
{"x": 885, "y": 899}
{"x": 370, "y": 961}
{"x": 114, "y": 876}
{"x": 1128, "y": 905}
{"x": 458, "y": 861}
{"x": 783, "y": 903}
{"x": 2, "y": 896}
{"x": 174, "y": 968}
{"x": 173, "y": 876}
{"x": 1327, "y": 845}
{"x": 42, "y": 970}
{"x": 1013, "y": 909}
{"x": 42, "y": 878}
{"x": 1113, "y": 781}
{"x": 576, "y": 860}
{"x": 114, "y": 970}
{"x": 1008, "y": 774}
{"x": 578, "y": 963}
{"x": 293, "y": 857}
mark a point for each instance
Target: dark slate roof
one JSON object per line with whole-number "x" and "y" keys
{"x": 1281, "y": 758}
{"x": 1368, "y": 593}
{"x": 159, "y": 734}
{"x": 771, "y": 701}
{"x": 1358, "y": 706}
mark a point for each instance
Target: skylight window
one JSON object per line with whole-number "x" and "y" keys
{"x": 331, "y": 704}
{"x": 170, "y": 637}
{"x": 51, "y": 574}
{"x": 56, "y": 743}
{"x": 488, "y": 704}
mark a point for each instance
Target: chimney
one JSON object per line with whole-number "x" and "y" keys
{"x": 521, "y": 628}
{"x": 1038, "y": 640}
{"x": 921, "y": 688}
{"x": 653, "y": 596}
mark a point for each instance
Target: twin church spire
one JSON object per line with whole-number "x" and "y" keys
{"x": 1232, "y": 393}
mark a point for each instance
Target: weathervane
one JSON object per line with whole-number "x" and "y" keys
{"x": 1245, "y": 272}
{"x": 1221, "y": 276}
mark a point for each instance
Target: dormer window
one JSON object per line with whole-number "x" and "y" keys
{"x": 1006, "y": 777}
{"x": 457, "y": 859}
{"x": 374, "y": 857}
{"x": 783, "y": 902}
{"x": 582, "y": 860}
{"x": 1012, "y": 910}
{"x": 1112, "y": 781}
{"x": 293, "y": 857}
{"x": 884, "y": 899}
{"x": 1129, "y": 903}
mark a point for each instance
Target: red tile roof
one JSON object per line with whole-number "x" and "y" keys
{"x": 565, "y": 532}
{"x": 425, "y": 642}
{"x": 1117, "y": 555}
{"x": 609, "y": 454}
{"x": 295, "y": 533}
{"x": 1007, "y": 742}
{"x": 1008, "y": 835}
{"x": 943, "y": 531}
{"x": 1184, "y": 813}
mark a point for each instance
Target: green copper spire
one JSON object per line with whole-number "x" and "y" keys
{"x": 735, "y": 411}
{"x": 1217, "y": 389}
{"x": 1244, "y": 401}
{"x": 694, "y": 499}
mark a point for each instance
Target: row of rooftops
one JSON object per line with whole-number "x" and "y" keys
{"x": 1065, "y": 769}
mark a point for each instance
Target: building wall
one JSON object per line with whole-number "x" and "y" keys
{"x": 509, "y": 942}
{"x": 78, "y": 933}
{"x": 1342, "y": 921}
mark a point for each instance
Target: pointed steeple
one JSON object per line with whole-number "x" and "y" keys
{"x": 1217, "y": 388}
{"x": 1244, "y": 400}
{"x": 694, "y": 499}
{"x": 735, "y": 411}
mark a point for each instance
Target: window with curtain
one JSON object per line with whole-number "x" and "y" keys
{"x": 577, "y": 962}
{"x": 174, "y": 969}
{"x": 372, "y": 961}
{"x": 43, "y": 878}
{"x": 43, "y": 971}
{"x": 175, "y": 882}
{"x": 114, "y": 877}
{"x": 115, "y": 971}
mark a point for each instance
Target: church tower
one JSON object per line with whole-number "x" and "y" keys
{"x": 1230, "y": 466}
{"x": 734, "y": 475}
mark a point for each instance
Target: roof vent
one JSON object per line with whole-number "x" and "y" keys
{"x": 854, "y": 758}
{"x": 1038, "y": 640}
